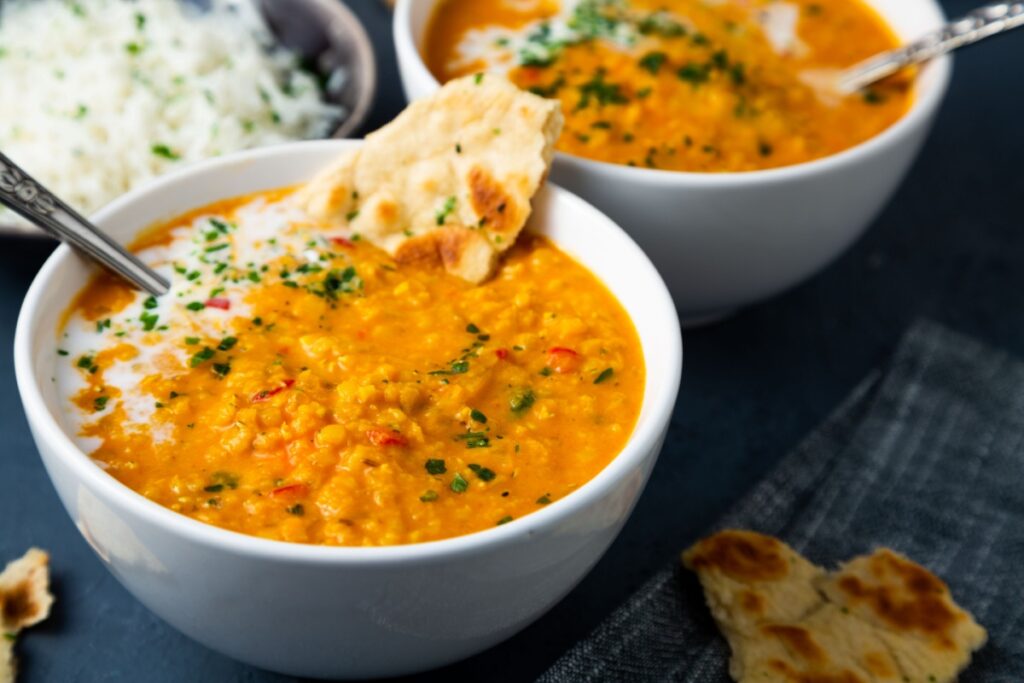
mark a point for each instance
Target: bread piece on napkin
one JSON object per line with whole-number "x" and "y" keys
{"x": 450, "y": 179}
{"x": 25, "y": 600}
{"x": 911, "y": 609}
{"x": 880, "y": 618}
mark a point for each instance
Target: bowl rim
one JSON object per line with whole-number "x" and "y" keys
{"x": 364, "y": 48}
{"x": 645, "y": 437}
{"x": 921, "y": 110}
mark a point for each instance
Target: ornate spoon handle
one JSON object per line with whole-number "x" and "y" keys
{"x": 979, "y": 24}
{"x": 25, "y": 196}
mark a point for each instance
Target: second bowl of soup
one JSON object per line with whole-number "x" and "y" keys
{"x": 697, "y": 125}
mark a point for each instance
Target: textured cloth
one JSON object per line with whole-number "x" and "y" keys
{"x": 928, "y": 460}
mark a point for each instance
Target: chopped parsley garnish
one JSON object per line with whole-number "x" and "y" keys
{"x": 221, "y": 481}
{"x": 652, "y": 61}
{"x": 544, "y": 500}
{"x": 472, "y": 329}
{"x": 89, "y": 364}
{"x": 478, "y": 416}
{"x": 694, "y": 73}
{"x": 296, "y": 510}
{"x": 220, "y": 225}
{"x": 478, "y": 79}
{"x": 345, "y": 281}
{"x": 505, "y": 520}
{"x": 221, "y": 369}
{"x": 150, "y": 303}
{"x": 227, "y": 343}
{"x": 352, "y": 215}
{"x": 195, "y": 306}
{"x": 216, "y": 247}
{"x": 100, "y": 402}
{"x": 522, "y": 400}
{"x": 459, "y": 484}
{"x": 484, "y": 473}
{"x": 605, "y": 375}
{"x": 148, "y": 321}
{"x": 201, "y": 357}
{"x": 475, "y": 440}
{"x": 61, "y": 352}
{"x": 162, "y": 150}
{"x": 132, "y": 48}
{"x": 436, "y": 467}
{"x": 429, "y": 496}
{"x": 458, "y": 367}
{"x": 103, "y": 324}
{"x": 446, "y": 210}
{"x": 598, "y": 89}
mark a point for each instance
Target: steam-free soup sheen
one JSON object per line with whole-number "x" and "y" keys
{"x": 298, "y": 384}
{"x": 692, "y": 85}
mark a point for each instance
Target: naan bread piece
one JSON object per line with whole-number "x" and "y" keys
{"x": 450, "y": 179}
{"x": 25, "y": 597}
{"x": 879, "y": 619}
{"x": 7, "y": 669}
{"x": 750, "y": 579}
{"x": 25, "y": 600}
{"x": 911, "y": 609}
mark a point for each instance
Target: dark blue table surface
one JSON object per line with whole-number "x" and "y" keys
{"x": 950, "y": 246}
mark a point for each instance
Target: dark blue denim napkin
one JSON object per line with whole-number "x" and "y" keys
{"x": 928, "y": 459}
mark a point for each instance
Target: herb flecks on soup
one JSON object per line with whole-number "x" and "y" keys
{"x": 693, "y": 85}
{"x": 299, "y": 384}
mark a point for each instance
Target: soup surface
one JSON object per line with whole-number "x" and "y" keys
{"x": 693, "y": 85}
{"x": 298, "y": 384}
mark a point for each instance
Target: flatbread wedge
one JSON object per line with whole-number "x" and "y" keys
{"x": 450, "y": 179}
{"x": 879, "y": 618}
{"x": 25, "y": 600}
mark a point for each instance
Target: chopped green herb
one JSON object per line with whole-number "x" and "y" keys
{"x": 522, "y": 400}
{"x": 459, "y": 484}
{"x": 475, "y": 440}
{"x": 227, "y": 343}
{"x": 221, "y": 369}
{"x": 605, "y": 375}
{"x": 436, "y": 467}
{"x": 472, "y": 329}
{"x": 100, "y": 402}
{"x": 478, "y": 416}
{"x": 195, "y": 306}
{"x": 598, "y": 89}
{"x": 103, "y": 324}
{"x": 478, "y": 79}
{"x": 216, "y": 247}
{"x": 545, "y": 371}
{"x": 484, "y": 473}
{"x": 653, "y": 61}
{"x": 872, "y": 96}
{"x": 544, "y": 500}
{"x": 61, "y": 352}
{"x": 296, "y": 510}
{"x": 200, "y": 357}
{"x": 429, "y": 496}
{"x": 446, "y": 210}
{"x": 150, "y": 303}
{"x": 133, "y": 48}
{"x": 162, "y": 150}
{"x": 694, "y": 73}
{"x": 148, "y": 321}
{"x": 505, "y": 520}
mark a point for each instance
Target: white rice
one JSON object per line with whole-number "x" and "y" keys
{"x": 97, "y": 96}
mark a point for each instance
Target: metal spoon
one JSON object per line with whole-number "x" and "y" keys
{"x": 25, "y": 196}
{"x": 979, "y": 24}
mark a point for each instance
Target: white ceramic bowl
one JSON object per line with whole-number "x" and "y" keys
{"x": 726, "y": 240}
{"x": 345, "y": 612}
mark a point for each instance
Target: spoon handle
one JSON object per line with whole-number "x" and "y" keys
{"x": 979, "y": 24}
{"x": 25, "y": 196}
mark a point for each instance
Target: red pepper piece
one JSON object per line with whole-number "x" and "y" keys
{"x": 385, "y": 437}
{"x": 563, "y": 360}
{"x": 217, "y": 302}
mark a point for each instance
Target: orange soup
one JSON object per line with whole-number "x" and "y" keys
{"x": 689, "y": 85}
{"x": 298, "y": 384}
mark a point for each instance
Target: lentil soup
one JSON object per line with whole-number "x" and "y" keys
{"x": 298, "y": 384}
{"x": 689, "y": 85}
